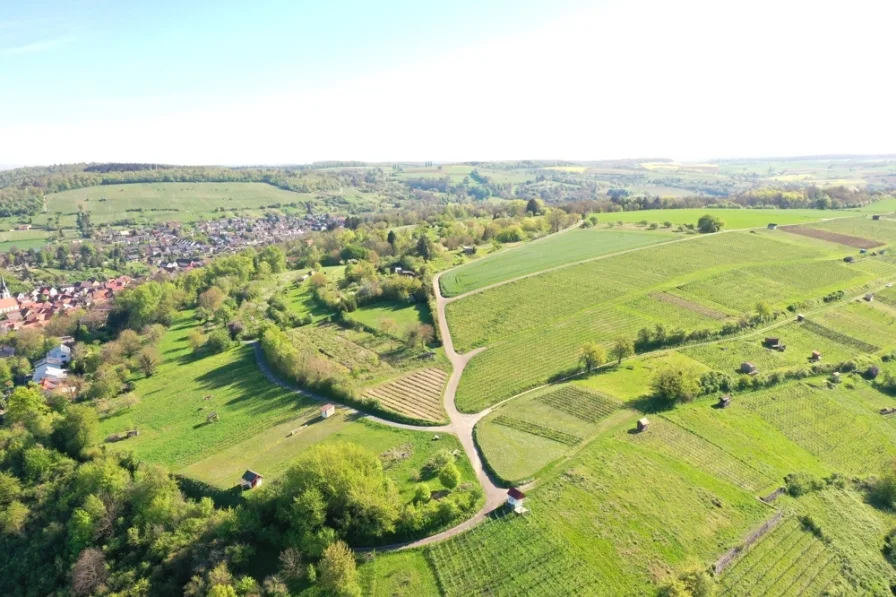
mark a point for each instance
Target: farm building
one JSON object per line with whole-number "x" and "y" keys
{"x": 327, "y": 410}
{"x": 772, "y": 226}
{"x": 869, "y": 297}
{"x": 816, "y": 356}
{"x": 250, "y": 480}
{"x": 875, "y": 217}
{"x": 643, "y": 424}
{"x": 748, "y": 368}
{"x": 515, "y": 499}
{"x": 725, "y": 401}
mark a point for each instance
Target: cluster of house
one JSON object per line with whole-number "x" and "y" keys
{"x": 168, "y": 247}
{"x": 35, "y": 308}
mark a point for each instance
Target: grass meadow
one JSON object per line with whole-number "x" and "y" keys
{"x": 734, "y": 219}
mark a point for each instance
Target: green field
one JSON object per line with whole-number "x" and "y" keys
{"x": 693, "y": 284}
{"x": 558, "y": 249}
{"x": 734, "y": 218}
{"x": 525, "y": 436}
{"x": 255, "y": 418}
{"x": 169, "y": 201}
{"x": 392, "y": 318}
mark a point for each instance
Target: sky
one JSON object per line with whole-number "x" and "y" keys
{"x": 295, "y": 81}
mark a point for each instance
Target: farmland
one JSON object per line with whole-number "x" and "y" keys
{"x": 170, "y": 201}
{"x": 417, "y": 395}
{"x": 882, "y": 231}
{"x": 558, "y": 249}
{"x": 734, "y": 219}
{"x": 694, "y": 284}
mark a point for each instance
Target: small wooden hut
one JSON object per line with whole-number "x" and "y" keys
{"x": 725, "y": 401}
{"x": 643, "y": 423}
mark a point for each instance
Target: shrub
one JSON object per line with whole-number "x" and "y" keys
{"x": 802, "y": 483}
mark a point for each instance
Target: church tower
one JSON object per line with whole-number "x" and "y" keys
{"x": 4, "y": 291}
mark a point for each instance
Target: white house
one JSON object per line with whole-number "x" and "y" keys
{"x": 48, "y": 370}
{"x": 327, "y": 410}
{"x": 61, "y": 353}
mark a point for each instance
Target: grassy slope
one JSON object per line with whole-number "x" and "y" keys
{"x": 543, "y": 254}
{"x": 186, "y": 201}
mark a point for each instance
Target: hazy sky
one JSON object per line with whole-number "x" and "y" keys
{"x": 294, "y": 81}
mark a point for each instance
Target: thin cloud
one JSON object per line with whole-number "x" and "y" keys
{"x": 34, "y": 47}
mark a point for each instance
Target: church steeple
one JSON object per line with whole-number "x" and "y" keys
{"x": 4, "y": 291}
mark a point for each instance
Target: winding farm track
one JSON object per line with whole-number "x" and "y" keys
{"x": 462, "y": 424}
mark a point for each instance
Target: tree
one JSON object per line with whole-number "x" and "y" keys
{"x": 338, "y": 572}
{"x": 533, "y": 207}
{"x": 391, "y": 238}
{"x": 709, "y": 223}
{"x": 27, "y": 406}
{"x": 291, "y": 564}
{"x": 13, "y": 517}
{"x": 219, "y": 340}
{"x": 196, "y": 340}
{"x": 763, "y": 311}
{"x": 148, "y": 360}
{"x": 675, "y": 385}
{"x": 212, "y": 299}
{"x": 129, "y": 342}
{"x": 78, "y": 429}
{"x": 622, "y": 349}
{"x": 593, "y": 355}
{"x": 106, "y": 383}
{"x": 449, "y": 475}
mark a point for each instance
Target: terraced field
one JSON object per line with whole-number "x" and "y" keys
{"x": 417, "y": 395}
{"x": 579, "y": 403}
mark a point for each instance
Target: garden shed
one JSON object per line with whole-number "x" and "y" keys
{"x": 643, "y": 423}
{"x": 772, "y": 342}
{"x": 800, "y": 317}
{"x": 849, "y": 259}
{"x": 251, "y": 480}
{"x": 869, "y": 297}
{"x": 515, "y": 498}
{"x": 875, "y": 217}
{"x": 748, "y": 368}
{"x": 725, "y": 401}
{"x": 327, "y": 411}
{"x": 816, "y": 356}
{"x": 772, "y": 226}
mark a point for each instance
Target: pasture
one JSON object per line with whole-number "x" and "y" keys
{"x": 168, "y": 201}
{"x": 551, "y": 251}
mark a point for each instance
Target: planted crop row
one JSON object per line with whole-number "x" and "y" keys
{"x": 544, "y": 300}
{"x": 509, "y": 556}
{"x": 418, "y": 394}
{"x": 826, "y": 332}
{"x": 529, "y": 360}
{"x": 535, "y": 429}
{"x": 850, "y": 441}
{"x": 788, "y": 561}
{"x": 671, "y": 439}
{"x": 579, "y": 403}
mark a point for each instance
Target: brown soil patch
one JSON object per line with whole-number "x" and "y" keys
{"x": 841, "y": 239}
{"x": 684, "y": 303}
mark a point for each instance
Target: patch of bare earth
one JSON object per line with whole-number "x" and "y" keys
{"x": 835, "y": 237}
{"x": 417, "y": 395}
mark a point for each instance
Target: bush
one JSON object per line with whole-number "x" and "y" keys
{"x": 802, "y": 483}
{"x": 218, "y": 341}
